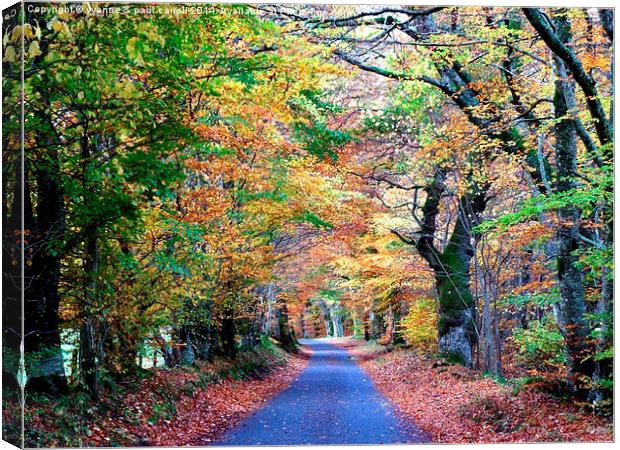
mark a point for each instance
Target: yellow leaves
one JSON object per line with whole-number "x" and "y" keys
{"x": 376, "y": 266}
{"x": 11, "y": 52}
{"x": 10, "y": 55}
{"x": 524, "y": 234}
{"x": 127, "y": 90}
{"x": 16, "y": 34}
{"x": 37, "y": 31}
{"x": 595, "y": 61}
{"x": 64, "y": 14}
{"x": 138, "y": 44}
{"x": 57, "y": 26}
{"x": 61, "y": 28}
{"x": 420, "y": 325}
{"x": 132, "y": 50}
{"x": 28, "y": 31}
{"x": 439, "y": 150}
{"x": 147, "y": 30}
{"x": 296, "y": 67}
{"x": 33, "y": 49}
{"x": 383, "y": 222}
{"x": 310, "y": 187}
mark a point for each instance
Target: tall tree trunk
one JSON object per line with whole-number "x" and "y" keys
{"x": 42, "y": 276}
{"x": 166, "y": 351}
{"x": 559, "y": 42}
{"x": 489, "y": 336}
{"x": 12, "y": 240}
{"x": 603, "y": 367}
{"x": 377, "y": 324}
{"x": 203, "y": 333}
{"x": 89, "y": 332}
{"x": 188, "y": 356}
{"x": 394, "y": 314}
{"x": 456, "y": 328}
{"x": 227, "y": 335}
{"x": 366, "y": 324}
{"x": 336, "y": 317}
{"x": 329, "y": 328}
{"x": 451, "y": 267}
{"x": 357, "y": 325}
{"x": 287, "y": 339}
{"x": 89, "y": 372}
{"x": 603, "y": 370}
{"x": 327, "y": 318}
{"x": 270, "y": 321}
{"x": 571, "y": 309}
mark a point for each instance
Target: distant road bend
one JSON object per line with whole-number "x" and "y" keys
{"x": 332, "y": 402}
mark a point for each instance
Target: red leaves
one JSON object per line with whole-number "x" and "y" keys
{"x": 173, "y": 407}
{"x": 458, "y": 405}
{"x": 203, "y": 417}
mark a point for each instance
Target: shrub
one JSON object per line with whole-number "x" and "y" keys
{"x": 419, "y": 325}
{"x": 540, "y": 345}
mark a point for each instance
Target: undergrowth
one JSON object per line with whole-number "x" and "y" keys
{"x": 68, "y": 421}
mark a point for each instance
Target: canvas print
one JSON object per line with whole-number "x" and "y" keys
{"x": 263, "y": 224}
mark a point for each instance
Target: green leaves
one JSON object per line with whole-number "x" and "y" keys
{"x": 320, "y": 140}
{"x": 313, "y": 102}
{"x": 540, "y": 342}
{"x": 539, "y": 299}
{"x": 313, "y": 219}
{"x": 531, "y": 209}
{"x": 314, "y": 133}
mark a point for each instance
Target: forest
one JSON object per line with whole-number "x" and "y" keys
{"x": 202, "y": 186}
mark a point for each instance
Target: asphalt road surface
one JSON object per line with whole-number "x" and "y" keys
{"x": 333, "y": 401}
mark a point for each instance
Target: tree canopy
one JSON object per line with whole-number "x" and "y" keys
{"x": 438, "y": 177}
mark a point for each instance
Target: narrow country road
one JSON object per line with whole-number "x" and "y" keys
{"x": 332, "y": 402}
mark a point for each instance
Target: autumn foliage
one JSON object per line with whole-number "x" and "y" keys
{"x": 196, "y": 187}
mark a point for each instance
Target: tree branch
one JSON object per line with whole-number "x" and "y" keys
{"x": 585, "y": 81}
{"x": 393, "y": 75}
{"x": 405, "y": 239}
{"x": 369, "y": 68}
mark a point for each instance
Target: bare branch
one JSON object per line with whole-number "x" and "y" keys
{"x": 405, "y": 239}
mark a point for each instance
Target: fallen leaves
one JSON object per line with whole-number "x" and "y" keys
{"x": 172, "y": 407}
{"x": 205, "y": 416}
{"x": 458, "y": 405}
